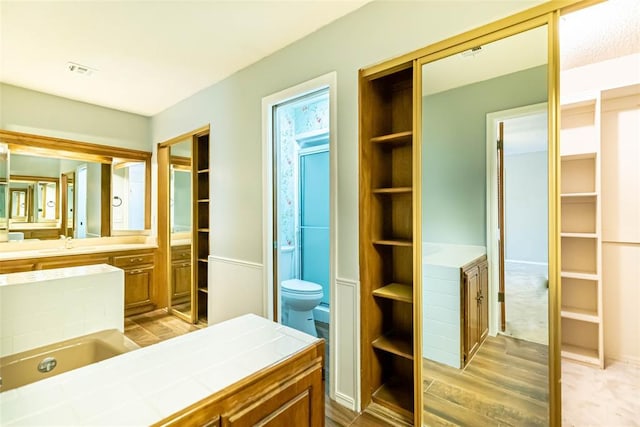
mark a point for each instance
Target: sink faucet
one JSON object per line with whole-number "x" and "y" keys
{"x": 68, "y": 241}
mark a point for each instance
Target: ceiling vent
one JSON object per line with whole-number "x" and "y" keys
{"x": 80, "y": 69}
{"x": 472, "y": 52}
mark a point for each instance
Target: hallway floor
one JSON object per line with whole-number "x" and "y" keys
{"x": 526, "y": 297}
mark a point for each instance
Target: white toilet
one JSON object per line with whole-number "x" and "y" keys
{"x": 299, "y": 297}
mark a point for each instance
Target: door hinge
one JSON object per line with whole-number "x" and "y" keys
{"x": 500, "y": 296}
{"x": 499, "y": 142}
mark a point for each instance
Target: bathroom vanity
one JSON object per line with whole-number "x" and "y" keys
{"x": 133, "y": 254}
{"x": 244, "y": 371}
{"x": 455, "y": 300}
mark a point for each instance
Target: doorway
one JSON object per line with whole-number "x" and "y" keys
{"x": 517, "y": 226}
{"x": 299, "y": 209}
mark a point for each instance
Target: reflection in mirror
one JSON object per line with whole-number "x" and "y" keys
{"x": 4, "y": 192}
{"x": 127, "y": 191}
{"x": 18, "y": 207}
{"x": 180, "y": 223}
{"x": 485, "y": 345}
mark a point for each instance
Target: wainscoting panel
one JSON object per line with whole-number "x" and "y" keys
{"x": 346, "y": 338}
{"x": 235, "y": 288}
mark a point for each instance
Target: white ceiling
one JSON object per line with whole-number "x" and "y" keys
{"x": 148, "y": 55}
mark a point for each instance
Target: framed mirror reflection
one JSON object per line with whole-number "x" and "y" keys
{"x": 484, "y": 222}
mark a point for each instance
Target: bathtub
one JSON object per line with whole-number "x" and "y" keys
{"x": 43, "y": 362}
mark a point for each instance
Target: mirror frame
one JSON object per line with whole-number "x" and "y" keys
{"x": 164, "y": 232}
{"x": 548, "y": 14}
{"x": 23, "y": 143}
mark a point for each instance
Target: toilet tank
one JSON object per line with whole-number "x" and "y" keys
{"x": 286, "y": 263}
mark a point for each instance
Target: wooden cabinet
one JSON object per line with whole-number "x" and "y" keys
{"x": 180, "y": 274}
{"x": 475, "y": 282}
{"x": 201, "y": 220}
{"x": 390, "y": 372}
{"x": 138, "y": 281}
{"x": 581, "y": 313}
{"x": 138, "y": 266}
{"x": 289, "y": 393}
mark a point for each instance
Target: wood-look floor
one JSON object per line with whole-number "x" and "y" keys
{"x": 504, "y": 384}
{"x": 155, "y": 326}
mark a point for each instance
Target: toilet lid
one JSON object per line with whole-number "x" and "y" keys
{"x": 301, "y": 286}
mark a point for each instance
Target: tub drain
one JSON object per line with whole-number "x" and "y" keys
{"x": 47, "y": 364}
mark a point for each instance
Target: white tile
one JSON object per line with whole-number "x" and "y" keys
{"x": 178, "y": 396}
{"x": 102, "y": 399}
{"x": 133, "y": 413}
{"x": 60, "y": 415}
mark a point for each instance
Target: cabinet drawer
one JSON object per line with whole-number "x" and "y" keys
{"x": 131, "y": 260}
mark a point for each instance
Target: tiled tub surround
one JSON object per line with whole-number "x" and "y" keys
{"x": 147, "y": 385}
{"x": 43, "y": 307}
{"x": 441, "y": 296}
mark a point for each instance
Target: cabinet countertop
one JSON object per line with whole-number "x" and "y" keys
{"x": 55, "y": 248}
{"x": 147, "y": 385}
{"x": 449, "y": 255}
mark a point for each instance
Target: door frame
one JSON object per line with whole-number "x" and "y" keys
{"x": 271, "y": 301}
{"x": 492, "y": 202}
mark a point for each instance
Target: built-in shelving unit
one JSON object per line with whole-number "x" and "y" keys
{"x": 387, "y": 242}
{"x": 201, "y": 221}
{"x": 581, "y": 313}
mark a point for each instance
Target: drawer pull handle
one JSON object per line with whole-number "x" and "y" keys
{"x": 132, "y": 260}
{"x": 135, "y": 271}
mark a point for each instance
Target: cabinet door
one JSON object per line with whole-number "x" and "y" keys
{"x": 137, "y": 286}
{"x": 181, "y": 283}
{"x": 484, "y": 301}
{"x": 299, "y": 403}
{"x": 72, "y": 261}
{"x": 471, "y": 294}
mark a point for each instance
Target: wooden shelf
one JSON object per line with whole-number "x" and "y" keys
{"x": 584, "y": 275}
{"x": 395, "y": 291}
{"x": 580, "y": 314}
{"x": 394, "y": 138}
{"x": 393, "y": 242}
{"x": 203, "y": 171}
{"x": 393, "y": 190}
{"x": 396, "y": 395}
{"x": 203, "y": 230}
{"x": 578, "y": 156}
{"x": 580, "y": 235}
{"x": 203, "y": 200}
{"x": 203, "y": 260}
{"x": 204, "y": 290}
{"x": 395, "y": 344}
{"x": 581, "y": 196}
{"x": 580, "y": 354}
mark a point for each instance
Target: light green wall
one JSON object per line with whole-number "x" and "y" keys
{"x": 182, "y": 199}
{"x": 454, "y": 152}
{"x": 378, "y": 31}
{"x": 24, "y": 110}
{"x": 526, "y": 212}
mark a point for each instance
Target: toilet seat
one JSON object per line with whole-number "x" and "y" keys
{"x": 300, "y": 287}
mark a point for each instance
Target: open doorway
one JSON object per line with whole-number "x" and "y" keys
{"x": 517, "y": 221}
{"x": 299, "y": 162}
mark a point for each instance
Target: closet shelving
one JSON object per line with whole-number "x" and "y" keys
{"x": 201, "y": 213}
{"x": 387, "y": 240}
{"x": 581, "y": 271}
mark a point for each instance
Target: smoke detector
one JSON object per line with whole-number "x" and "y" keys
{"x": 80, "y": 69}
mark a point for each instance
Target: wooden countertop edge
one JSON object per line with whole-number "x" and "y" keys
{"x": 268, "y": 379}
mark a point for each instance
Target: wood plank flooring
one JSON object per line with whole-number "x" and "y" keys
{"x": 505, "y": 384}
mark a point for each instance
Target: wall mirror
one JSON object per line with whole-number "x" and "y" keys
{"x": 485, "y": 309}
{"x": 76, "y": 189}
{"x": 180, "y": 202}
